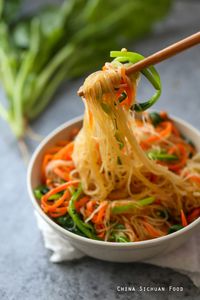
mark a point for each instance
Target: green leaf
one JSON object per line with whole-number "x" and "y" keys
{"x": 150, "y": 73}
{"x": 9, "y": 9}
{"x": 175, "y": 228}
{"x": 155, "y": 118}
{"x": 161, "y": 155}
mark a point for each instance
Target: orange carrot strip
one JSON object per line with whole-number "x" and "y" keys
{"x": 151, "y": 230}
{"x": 62, "y": 174}
{"x": 194, "y": 215}
{"x": 65, "y": 153}
{"x": 195, "y": 178}
{"x": 91, "y": 205}
{"x": 58, "y": 189}
{"x": 57, "y": 203}
{"x": 101, "y": 235}
{"x": 163, "y": 115}
{"x": 182, "y": 162}
{"x": 81, "y": 202}
{"x": 61, "y": 211}
{"x": 183, "y": 219}
{"x": 101, "y": 213}
{"x": 164, "y": 133}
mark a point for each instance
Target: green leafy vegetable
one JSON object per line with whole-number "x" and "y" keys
{"x": 40, "y": 191}
{"x": 86, "y": 229}
{"x": 67, "y": 223}
{"x": 175, "y": 228}
{"x": 155, "y": 118}
{"x": 39, "y": 51}
{"x": 9, "y": 9}
{"x": 119, "y": 237}
{"x": 128, "y": 208}
{"x": 161, "y": 155}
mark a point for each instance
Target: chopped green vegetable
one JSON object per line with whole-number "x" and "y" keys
{"x": 55, "y": 196}
{"x": 161, "y": 155}
{"x": 128, "y": 208}
{"x": 86, "y": 229}
{"x": 122, "y": 97}
{"x": 40, "y": 191}
{"x": 155, "y": 118}
{"x": 119, "y": 237}
{"x": 67, "y": 223}
{"x": 146, "y": 201}
{"x": 39, "y": 51}
{"x": 175, "y": 228}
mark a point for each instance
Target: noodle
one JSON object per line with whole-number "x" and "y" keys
{"x": 140, "y": 178}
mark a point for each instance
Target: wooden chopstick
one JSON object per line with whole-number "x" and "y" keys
{"x": 162, "y": 55}
{"x": 165, "y": 53}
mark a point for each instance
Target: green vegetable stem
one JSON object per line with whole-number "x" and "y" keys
{"x": 127, "y": 208}
{"x": 86, "y": 229}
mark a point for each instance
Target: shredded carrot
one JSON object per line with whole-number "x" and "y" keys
{"x": 183, "y": 157}
{"x": 61, "y": 211}
{"x": 165, "y": 132}
{"x": 163, "y": 115}
{"x": 101, "y": 235}
{"x": 46, "y": 160}
{"x": 101, "y": 213}
{"x": 91, "y": 205}
{"x": 195, "y": 178}
{"x": 128, "y": 89}
{"x": 183, "y": 219}
{"x": 62, "y": 174}
{"x": 194, "y": 215}
{"x": 65, "y": 153}
{"x": 80, "y": 203}
{"x": 151, "y": 230}
{"x": 56, "y": 204}
{"x": 51, "y": 207}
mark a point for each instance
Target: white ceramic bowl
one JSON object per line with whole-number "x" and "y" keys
{"x": 118, "y": 252}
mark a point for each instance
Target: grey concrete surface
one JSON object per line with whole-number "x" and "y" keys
{"x": 25, "y": 271}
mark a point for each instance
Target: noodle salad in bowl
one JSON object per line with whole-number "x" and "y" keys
{"x": 127, "y": 175}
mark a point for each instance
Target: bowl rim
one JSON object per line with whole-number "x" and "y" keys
{"x": 68, "y": 234}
